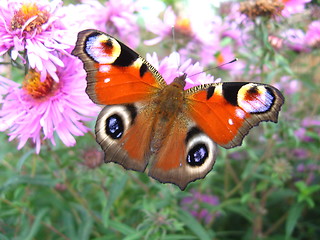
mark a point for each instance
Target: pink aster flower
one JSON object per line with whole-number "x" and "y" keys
{"x": 191, "y": 27}
{"x": 293, "y": 6}
{"x": 78, "y": 17}
{"x": 223, "y": 56}
{"x": 313, "y": 34}
{"x": 233, "y": 31}
{"x": 161, "y": 28}
{"x": 275, "y": 42}
{"x": 197, "y": 36}
{"x": 288, "y": 85}
{"x": 308, "y": 125}
{"x": 6, "y": 86}
{"x": 37, "y": 109}
{"x": 300, "y": 153}
{"x": 232, "y": 25}
{"x": 193, "y": 37}
{"x": 194, "y": 205}
{"x": 295, "y": 39}
{"x": 171, "y": 67}
{"x": 117, "y": 18}
{"x": 32, "y": 27}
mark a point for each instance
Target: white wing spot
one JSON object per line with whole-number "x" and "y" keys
{"x": 240, "y": 113}
{"x": 230, "y": 121}
{"x": 107, "y": 80}
{"x": 95, "y": 48}
{"x": 104, "y": 68}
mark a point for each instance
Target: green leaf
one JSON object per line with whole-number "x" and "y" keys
{"x": 23, "y": 159}
{"x": 69, "y": 224}
{"x": 108, "y": 237}
{"x": 241, "y": 210}
{"x": 86, "y": 229}
{"x": 121, "y": 227}
{"x": 306, "y": 192}
{"x": 178, "y": 237}
{"x": 36, "y": 180}
{"x": 115, "y": 192}
{"x": 226, "y": 41}
{"x": 246, "y": 198}
{"x": 3, "y": 237}
{"x": 134, "y": 236}
{"x": 193, "y": 225}
{"x": 36, "y": 224}
{"x": 292, "y": 219}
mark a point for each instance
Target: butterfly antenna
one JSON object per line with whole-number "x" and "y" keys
{"x": 208, "y": 69}
{"x": 174, "y": 48}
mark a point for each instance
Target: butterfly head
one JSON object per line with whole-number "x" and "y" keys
{"x": 179, "y": 82}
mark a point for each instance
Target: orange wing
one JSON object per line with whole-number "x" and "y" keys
{"x": 115, "y": 73}
{"x": 124, "y": 135}
{"x": 128, "y": 128}
{"x": 187, "y": 154}
{"x": 227, "y": 111}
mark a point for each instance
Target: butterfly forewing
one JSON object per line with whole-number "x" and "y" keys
{"x": 115, "y": 73}
{"x": 227, "y": 111}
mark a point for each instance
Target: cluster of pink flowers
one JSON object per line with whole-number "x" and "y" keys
{"x": 293, "y": 7}
{"x": 199, "y": 36}
{"x": 195, "y": 204}
{"x": 40, "y": 35}
{"x": 301, "y": 41}
{"x": 51, "y": 100}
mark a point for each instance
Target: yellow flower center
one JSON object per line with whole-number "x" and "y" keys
{"x": 183, "y": 26}
{"x": 220, "y": 59}
{"x": 37, "y": 89}
{"x": 285, "y": 1}
{"x": 25, "y": 13}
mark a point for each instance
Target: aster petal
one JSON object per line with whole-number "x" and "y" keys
{"x": 38, "y": 144}
{"x": 153, "y": 59}
{"x": 34, "y": 60}
{"x": 51, "y": 69}
{"x": 55, "y": 60}
{"x": 28, "y": 22}
{"x": 65, "y": 136}
{"x": 169, "y": 17}
{"x": 6, "y": 84}
{"x": 46, "y": 122}
{"x": 185, "y": 65}
{"x": 153, "y": 41}
{"x": 22, "y": 142}
{"x": 38, "y": 48}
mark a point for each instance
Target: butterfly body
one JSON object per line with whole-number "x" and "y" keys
{"x": 169, "y": 131}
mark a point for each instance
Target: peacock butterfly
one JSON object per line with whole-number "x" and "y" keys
{"x": 173, "y": 131}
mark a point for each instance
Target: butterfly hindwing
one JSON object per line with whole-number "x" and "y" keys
{"x": 115, "y": 73}
{"x": 124, "y": 135}
{"x": 227, "y": 111}
{"x": 187, "y": 154}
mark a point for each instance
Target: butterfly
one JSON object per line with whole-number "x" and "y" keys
{"x": 172, "y": 133}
